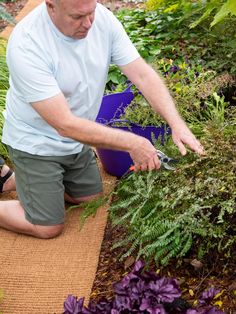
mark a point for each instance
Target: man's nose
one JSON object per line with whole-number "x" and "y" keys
{"x": 87, "y": 22}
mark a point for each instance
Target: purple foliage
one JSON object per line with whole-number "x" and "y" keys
{"x": 73, "y": 306}
{"x": 174, "y": 69}
{"x": 143, "y": 292}
{"x": 208, "y": 310}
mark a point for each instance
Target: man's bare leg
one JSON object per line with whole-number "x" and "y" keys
{"x": 12, "y": 215}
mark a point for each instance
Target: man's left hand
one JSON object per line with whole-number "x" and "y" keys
{"x": 183, "y": 136}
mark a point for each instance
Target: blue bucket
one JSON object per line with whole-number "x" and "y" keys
{"x": 113, "y": 106}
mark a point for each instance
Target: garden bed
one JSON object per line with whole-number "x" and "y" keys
{"x": 193, "y": 276}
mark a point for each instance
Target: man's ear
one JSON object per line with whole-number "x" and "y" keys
{"x": 50, "y": 5}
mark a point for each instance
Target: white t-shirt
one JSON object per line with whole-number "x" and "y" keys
{"x": 44, "y": 62}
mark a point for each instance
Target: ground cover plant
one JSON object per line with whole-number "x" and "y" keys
{"x": 144, "y": 292}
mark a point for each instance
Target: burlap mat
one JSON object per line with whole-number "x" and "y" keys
{"x": 37, "y": 275}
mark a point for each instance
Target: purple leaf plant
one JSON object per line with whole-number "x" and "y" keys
{"x": 144, "y": 292}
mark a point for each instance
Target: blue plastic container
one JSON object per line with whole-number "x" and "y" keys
{"x": 116, "y": 162}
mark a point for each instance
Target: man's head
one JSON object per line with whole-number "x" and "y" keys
{"x": 72, "y": 17}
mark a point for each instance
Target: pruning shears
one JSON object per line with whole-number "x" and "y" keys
{"x": 164, "y": 159}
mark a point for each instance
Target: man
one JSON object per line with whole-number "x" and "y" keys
{"x": 58, "y": 57}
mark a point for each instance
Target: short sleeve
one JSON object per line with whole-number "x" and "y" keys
{"x": 123, "y": 50}
{"x": 30, "y": 75}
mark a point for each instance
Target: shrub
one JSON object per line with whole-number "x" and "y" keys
{"x": 164, "y": 213}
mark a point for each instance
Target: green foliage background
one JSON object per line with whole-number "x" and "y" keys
{"x": 164, "y": 32}
{"x": 216, "y": 9}
{"x": 4, "y": 84}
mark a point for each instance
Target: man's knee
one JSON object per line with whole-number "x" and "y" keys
{"x": 48, "y": 232}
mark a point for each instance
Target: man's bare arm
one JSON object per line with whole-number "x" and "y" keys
{"x": 56, "y": 112}
{"x": 156, "y": 93}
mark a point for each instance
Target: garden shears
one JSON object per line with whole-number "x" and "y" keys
{"x": 164, "y": 159}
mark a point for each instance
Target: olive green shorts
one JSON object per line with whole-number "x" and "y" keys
{"x": 41, "y": 182}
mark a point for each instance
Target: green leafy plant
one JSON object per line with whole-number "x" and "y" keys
{"x": 223, "y": 8}
{"x": 193, "y": 88}
{"x": 4, "y": 84}
{"x": 218, "y": 8}
{"x": 164, "y": 213}
{"x": 140, "y": 112}
{"x": 115, "y": 79}
{"x": 165, "y": 34}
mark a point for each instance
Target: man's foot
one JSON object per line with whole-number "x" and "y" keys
{"x": 7, "y": 180}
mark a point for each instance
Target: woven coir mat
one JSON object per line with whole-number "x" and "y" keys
{"x": 37, "y": 275}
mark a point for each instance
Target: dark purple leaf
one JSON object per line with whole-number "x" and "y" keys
{"x": 143, "y": 292}
{"x": 174, "y": 69}
{"x": 72, "y": 305}
{"x": 152, "y": 306}
{"x": 165, "y": 289}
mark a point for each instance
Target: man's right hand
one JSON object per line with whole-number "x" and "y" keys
{"x": 144, "y": 155}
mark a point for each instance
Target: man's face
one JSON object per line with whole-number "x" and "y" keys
{"x": 72, "y": 17}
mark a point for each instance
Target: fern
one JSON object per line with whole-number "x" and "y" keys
{"x": 169, "y": 211}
